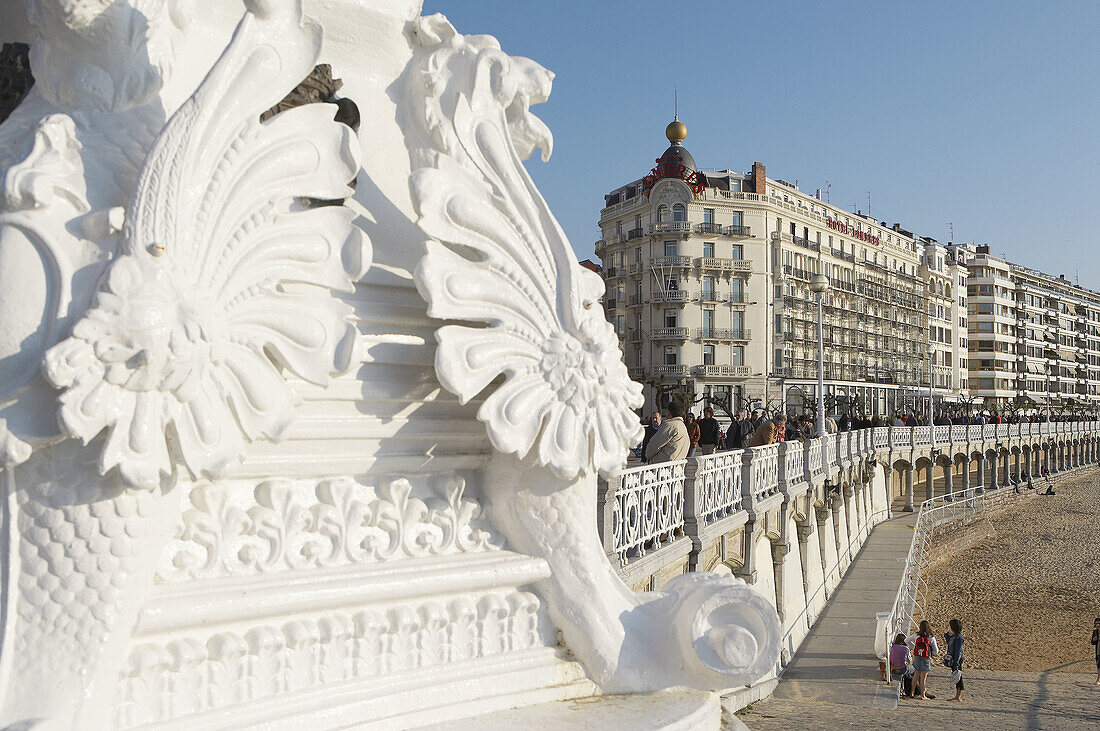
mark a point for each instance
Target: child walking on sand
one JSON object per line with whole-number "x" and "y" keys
{"x": 924, "y": 647}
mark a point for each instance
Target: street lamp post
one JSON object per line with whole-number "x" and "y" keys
{"x": 1046, "y": 366}
{"x": 931, "y": 413}
{"x": 819, "y": 284}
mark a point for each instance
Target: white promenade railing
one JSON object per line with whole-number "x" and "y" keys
{"x": 649, "y": 509}
{"x": 643, "y": 508}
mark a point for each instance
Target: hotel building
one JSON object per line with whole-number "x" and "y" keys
{"x": 708, "y": 278}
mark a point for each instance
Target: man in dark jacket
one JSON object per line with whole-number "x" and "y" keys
{"x": 708, "y": 432}
{"x": 650, "y": 429}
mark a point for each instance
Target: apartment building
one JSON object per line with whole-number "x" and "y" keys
{"x": 708, "y": 285}
{"x": 1034, "y": 338}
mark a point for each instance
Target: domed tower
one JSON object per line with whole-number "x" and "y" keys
{"x": 676, "y": 154}
{"x": 676, "y": 162}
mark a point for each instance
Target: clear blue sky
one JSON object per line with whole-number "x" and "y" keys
{"x": 982, "y": 114}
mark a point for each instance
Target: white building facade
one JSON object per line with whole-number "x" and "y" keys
{"x": 708, "y": 287}
{"x": 1034, "y": 338}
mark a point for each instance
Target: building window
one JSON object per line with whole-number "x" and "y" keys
{"x": 737, "y": 251}
{"x": 620, "y": 324}
{"x": 708, "y": 322}
{"x": 670, "y": 318}
{"x": 662, "y": 214}
{"x": 736, "y": 292}
{"x": 672, "y": 248}
{"x": 708, "y": 249}
{"x": 679, "y": 212}
{"x": 708, "y": 288}
{"x": 671, "y": 355}
{"x": 708, "y": 355}
{"x": 708, "y": 215}
{"x": 737, "y": 321}
{"x": 737, "y": 355}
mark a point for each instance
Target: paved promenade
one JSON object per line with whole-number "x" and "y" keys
{"x": 837, "y": 662}
{"x": 994, "y": 701}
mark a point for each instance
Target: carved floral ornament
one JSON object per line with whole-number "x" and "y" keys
{"x": 499, "y": 258}
{"x": 225, "y": 275}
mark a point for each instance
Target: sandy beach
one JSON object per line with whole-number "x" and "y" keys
{"x": 1027, "y": 595}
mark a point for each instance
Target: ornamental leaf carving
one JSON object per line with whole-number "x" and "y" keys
{"x": 499, "y": 258}
{"x": 225, "y": 277}
{"x": 281, "y": 525}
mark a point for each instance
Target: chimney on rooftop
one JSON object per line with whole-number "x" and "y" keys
{"x": 982, "y": 249}
{"x": 759, "y": 178}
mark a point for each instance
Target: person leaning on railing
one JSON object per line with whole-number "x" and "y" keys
{"x": 671, "y": 442}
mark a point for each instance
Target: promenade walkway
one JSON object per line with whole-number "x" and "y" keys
{"x": 836, "y": 663}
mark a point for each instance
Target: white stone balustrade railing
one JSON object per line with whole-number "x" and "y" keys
{"x": 643, "y": 509}
{"x": 717, "y": 478}
{"x": 648, "y": 509}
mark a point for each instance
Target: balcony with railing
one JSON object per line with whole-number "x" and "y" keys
{"x": 805, "y": 243}
{"x": 724, "y": 371}
{"x": 670, "y": 262}
{"x": 715, "y": 264}
{"x": 673, "y": 295}
{"x": 708, "y": 228}
{"x": 666, "y": 227}
{"x": 670, "y": 333}
{"x": 635, "y": 233}
{"x": 678, "y": 371}
{"x": 713, "y": 333}
{"x": 738, "y": 231}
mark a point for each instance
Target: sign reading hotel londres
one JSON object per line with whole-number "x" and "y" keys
{"x": 840, "y": 226}
{"x": 667, "y": 169}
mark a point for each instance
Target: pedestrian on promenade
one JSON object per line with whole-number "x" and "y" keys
{"x": 1096, "y": 646}
{"x": 650, "y": 429}
{"x": 708, "y": 432}
{"x": 769, "y": 432}
{"x": 924, "y": 647}
{"x": 693, "y": 434}
{"x": 748, "y": 427}
{"x": 671, "y": 442}
{"x": 899, "y": 665}
{"x": 954, "y": 659}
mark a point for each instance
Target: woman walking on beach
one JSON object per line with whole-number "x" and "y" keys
{"x": 954, "y": 659}
{"x": 924, "y": 647}
{"x": 1096, "y": 646}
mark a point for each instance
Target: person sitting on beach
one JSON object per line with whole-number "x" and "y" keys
{"x": 899, "y": 664}
{"x": 1096, "y": 646}
{"x": 954, "y": 640}
{"x": 924, "y": 647}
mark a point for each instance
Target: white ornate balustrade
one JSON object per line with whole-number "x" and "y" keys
{"x": 814, "y": 502}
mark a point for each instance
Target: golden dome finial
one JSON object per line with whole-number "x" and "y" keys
{"x": 676, "y": 131}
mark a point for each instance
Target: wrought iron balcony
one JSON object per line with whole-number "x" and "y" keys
{"x": 723, "y": 333}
